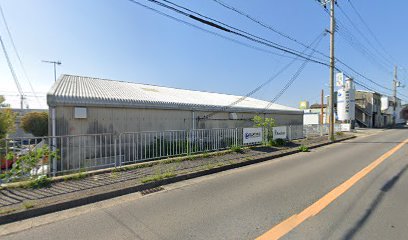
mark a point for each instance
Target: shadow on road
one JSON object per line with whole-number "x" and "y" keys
{"x": 384, "y": 189}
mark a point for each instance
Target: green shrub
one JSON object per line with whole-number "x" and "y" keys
{"x": 40, "y": 182}
{"x": 237, "y": 149}
{"x": 277, "y": 142}
{"x": 35, "y": 123}
{"x": 303, "y": 148}
{"x": 339, "y": 133}
{"x": 266, "y": 123}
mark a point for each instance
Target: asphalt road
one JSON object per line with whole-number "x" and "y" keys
{"x": 247, "y": 202}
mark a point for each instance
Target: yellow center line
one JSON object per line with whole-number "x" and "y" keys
{"x": 292, "y": 222}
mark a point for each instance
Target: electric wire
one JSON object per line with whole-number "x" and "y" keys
{"x": 293, "y": 79}
{"x": 232, "y": 30}
{"x": 259, "y": 87}
{"x": 10, "y": 65}
{"x": 371, "y": 32}
{"x": 17, "y": 53}
{"x": 384, "y": 63}
{"x": 290, "y": 38}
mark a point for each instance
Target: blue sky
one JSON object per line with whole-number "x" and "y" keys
{"x": 116, "y": 39}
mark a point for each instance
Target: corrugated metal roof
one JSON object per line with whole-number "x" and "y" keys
{"x": 88, "y": 91}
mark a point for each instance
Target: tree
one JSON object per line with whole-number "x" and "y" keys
{"x": 7, "y": 119}
{"x": 266, "y": 123}
{"x": 35, "y": 123}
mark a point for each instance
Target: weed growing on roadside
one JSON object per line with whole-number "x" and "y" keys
{"x": 28, "y": 205}
{"x": 7, "y": 211}
{"x": 340, "y": 133}
{"x": 114, "y": 175}
{"x": 237, "y": 149}
{"x": 158, "y": 177}
{"x": 277, "y": 142}
{"x": 40, "y": 182}
{"x": 303, "y": 148}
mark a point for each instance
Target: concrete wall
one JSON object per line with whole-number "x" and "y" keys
{"x": 117, "y": 120}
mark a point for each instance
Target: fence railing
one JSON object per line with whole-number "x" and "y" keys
{"x": 67, "y": 154}
{"x": 142, "y": 146}
{"x": 319, "y": 129}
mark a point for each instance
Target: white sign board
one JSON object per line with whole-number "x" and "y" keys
{"x": 252, "y": 135}
{"x": 339, "y": 79}
{"x": 345, "y": 127}
{"x": 279, "y": 133}
{"x": 80, "y": 112}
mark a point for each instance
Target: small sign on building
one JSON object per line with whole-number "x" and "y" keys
{"x": 339, "y": 79}
{"x": 280, "y": 132}
{"x": 252, "y": 135}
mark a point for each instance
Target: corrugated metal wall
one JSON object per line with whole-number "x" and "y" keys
{"x": 118, "y": 120}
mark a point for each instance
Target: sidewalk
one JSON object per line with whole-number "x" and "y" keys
{"x": 20, "y": 203}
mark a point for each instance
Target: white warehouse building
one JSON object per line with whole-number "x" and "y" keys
{"x": 86, "y": 105}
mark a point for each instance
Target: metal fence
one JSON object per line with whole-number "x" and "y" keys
{"x": 57, "y": 155}
{"x": 319, "y": 129}
{"x": 66, "y": 154}
{"x": 142, "y": 146}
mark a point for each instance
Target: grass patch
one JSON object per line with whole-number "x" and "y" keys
{"x": 76, "y": 176}
{"x": 39, "y": 182}
{"x": 7, "y": 211}
{"x": 340, "y": 134}
{"x": 158, "y": 177}
{"x": 237, "y": 149}
{"x": 114, "y": 175}
{"x": 303, "y": 148}
{"x": 28, "y": 205}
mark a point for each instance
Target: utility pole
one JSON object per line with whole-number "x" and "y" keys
{"x": 395, "y": 84}
{"x": 331, "y": 102}
{"x": 321, "y": 107}
{"x": 55, "y": 63}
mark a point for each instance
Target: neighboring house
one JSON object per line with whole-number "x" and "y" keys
{"x": 368, "y": 109}
{"x": 387, "y": 108}
{"x": 86, "y": 105}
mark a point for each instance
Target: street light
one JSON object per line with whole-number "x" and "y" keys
{"x": 55, "y": 63}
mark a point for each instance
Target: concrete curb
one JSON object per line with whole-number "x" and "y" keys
{"x": 35, "y": 212}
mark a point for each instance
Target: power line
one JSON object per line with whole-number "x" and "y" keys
{"x": 337, "y": 21}
{"x": 369, "y": 30}
{"x": 212, "y": 19}
{"x": 263, "y": 24}
{"x": 290, "y": 38}
{"x": 13, "y": 73}
{"x": 232, "y": 30}
{"x": 240, "y": 33}
{"x": 283, "y": 69}
{"x": 366, "y": 39}
{"x": 293, "y": 79}
{"x": 16, "y": 52}
{"x": 210, "y": 32}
